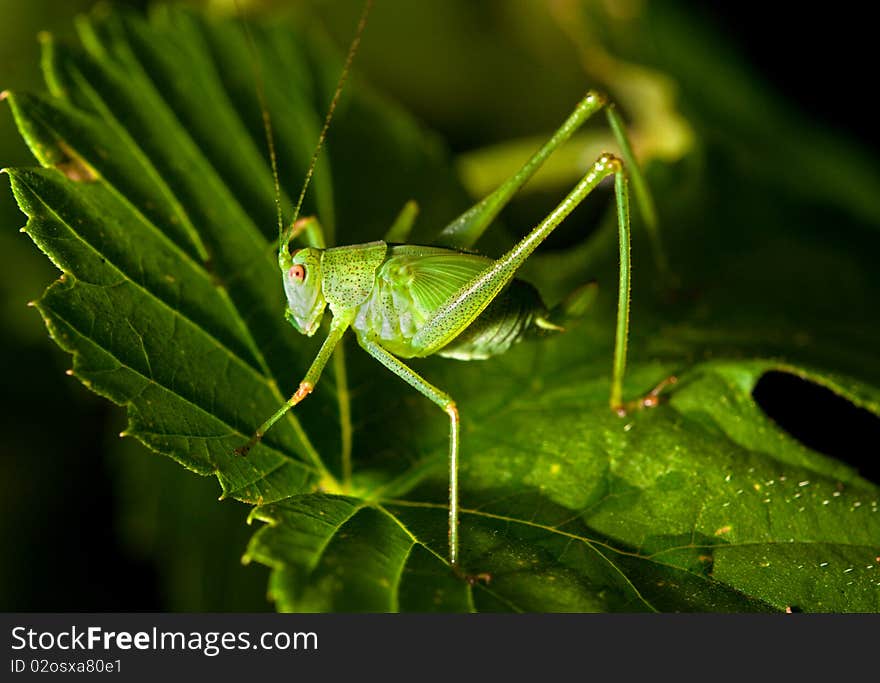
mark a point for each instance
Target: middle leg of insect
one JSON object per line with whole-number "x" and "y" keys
{"x": 406, "y": 301}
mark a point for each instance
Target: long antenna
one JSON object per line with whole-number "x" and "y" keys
{"x": 352, "y": 50}
{"x": 267, "y": 121}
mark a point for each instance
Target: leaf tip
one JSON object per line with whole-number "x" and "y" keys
{"x": 246, "y": 559}
{"x": 69, "y": 373}
{"x": 3, "y": 95}
{"x": 31, "y": 304}
{"x": 44, "y": 37}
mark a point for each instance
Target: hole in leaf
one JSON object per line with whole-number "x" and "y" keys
{"x": 822, "y": 420}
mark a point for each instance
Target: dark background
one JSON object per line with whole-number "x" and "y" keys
{"x": 818, "y": 58}
{"x": 70, "y": 541}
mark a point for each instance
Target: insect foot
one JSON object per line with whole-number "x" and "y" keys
{"x": 482, "y": 577}
{"x": 472, "y": 579}
{"x": 305, "y": 388}
{"x": 649, "y": 400}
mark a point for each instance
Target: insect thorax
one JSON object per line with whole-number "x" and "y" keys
{"x": 349, "y": 273}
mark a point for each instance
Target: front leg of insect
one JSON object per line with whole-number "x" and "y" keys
{"x": 410, "y": 301}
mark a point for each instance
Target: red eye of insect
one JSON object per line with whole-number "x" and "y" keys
{"x": 297, "y": 272}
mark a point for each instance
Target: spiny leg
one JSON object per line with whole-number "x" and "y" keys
{"x": 621, "y": 336}
{"x": 464, "y": 231}
{"x": 337, "y": 329}
{"x": 640, "y": 188}
{"x": 464, "y": 306}
{"x": 448, "y": 405}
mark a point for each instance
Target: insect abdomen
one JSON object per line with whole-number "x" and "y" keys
{"x": 508, "y": 319}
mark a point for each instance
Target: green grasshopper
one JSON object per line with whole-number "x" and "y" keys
{"x": 410, "y": 301}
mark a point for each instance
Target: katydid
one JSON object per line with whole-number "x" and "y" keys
{"x": 411, "y": 301}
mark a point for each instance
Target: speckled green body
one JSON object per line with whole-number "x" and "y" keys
{"x": 413, "y": 282}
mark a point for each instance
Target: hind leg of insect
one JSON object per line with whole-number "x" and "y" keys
{"x": 461, "y": 310}
{"x": 464, "y": 231}
{"x": 452, "y": 316}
